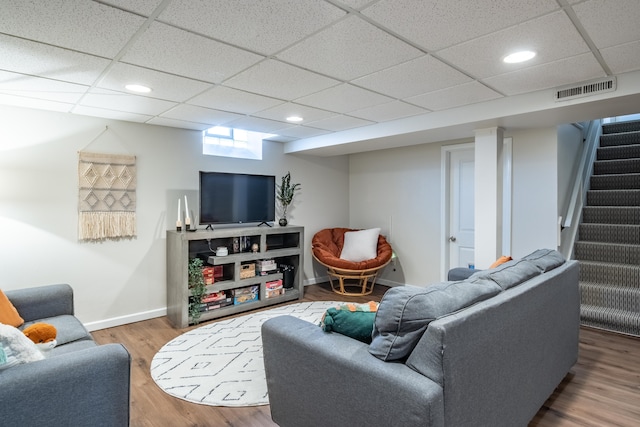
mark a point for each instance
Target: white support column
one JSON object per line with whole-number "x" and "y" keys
{"x": 488, "y": 196}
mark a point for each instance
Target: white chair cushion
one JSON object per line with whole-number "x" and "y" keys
{"x": 360, "y": 245}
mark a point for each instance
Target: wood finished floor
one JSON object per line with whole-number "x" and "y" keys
{"x": 602, "y": 389}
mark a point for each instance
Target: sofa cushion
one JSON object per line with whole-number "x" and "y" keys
{"x": 545, "y": 259}
{"x": 352, "y": 320}
{"x": 8, "y": 313}
{"x": 69, "y": 328}
{"x": 71, "y": 347}
{"x": 405, "y": 312}
{"x": 510, "y": 274}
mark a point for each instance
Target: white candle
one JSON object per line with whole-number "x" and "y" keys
{"x": 186, "y": 209}
{"x": 179, "y": 202}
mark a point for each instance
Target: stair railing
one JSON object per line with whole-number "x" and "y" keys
{"x": 571, "y": 220}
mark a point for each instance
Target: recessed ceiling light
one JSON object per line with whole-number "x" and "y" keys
{"x": 517, "y": 57}
{"x": 138, "y": 88}
{"x": 294, "y": 119}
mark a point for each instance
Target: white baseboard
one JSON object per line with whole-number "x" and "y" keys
{"x": 123, "y": 320}
{"x": 152, "y": 314}
{"x": 315, "y": 280}
{"x": 389, "y": 283}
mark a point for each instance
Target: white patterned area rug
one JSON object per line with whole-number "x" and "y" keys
{"x": 220, "y": 363}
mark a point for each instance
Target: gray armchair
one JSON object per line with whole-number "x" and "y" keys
{"x": 80, "y": 383}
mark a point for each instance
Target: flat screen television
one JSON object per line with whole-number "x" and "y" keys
{"x": 234, "y": 198}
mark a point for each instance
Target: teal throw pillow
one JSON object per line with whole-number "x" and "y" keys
{"x": 353, "y": 320}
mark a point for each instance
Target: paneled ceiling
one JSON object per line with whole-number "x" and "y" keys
{"x": 338, "y": 64}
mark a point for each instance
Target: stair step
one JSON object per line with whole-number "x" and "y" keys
{"x": 613, "y": 198}
{"x": 610, "y": 233}
{"x": 605, "y": 167}
{"x": 608, "y": 248}
{"x": 610, "y": 274}
{"x": 608, "y": 296}
{"x": 619, "y": 152}
{"x": 615, "y": 182}
{"x": 611, "y": 214}
{"x": 607, "y": 253}
{"x": 618, "y": 139}
{"x": 618, "y": 127}
{"x": 625, "y": 322}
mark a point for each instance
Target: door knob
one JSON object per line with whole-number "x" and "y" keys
{"x": 452, "y": 238}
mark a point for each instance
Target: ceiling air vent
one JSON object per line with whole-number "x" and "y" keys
{"x": 585, "y": 89}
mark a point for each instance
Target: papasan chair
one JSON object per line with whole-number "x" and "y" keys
{"x": 353, "y": 278}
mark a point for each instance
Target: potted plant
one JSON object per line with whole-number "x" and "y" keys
{"x": 284, "y": 194}
{"x": 197, "y": 287}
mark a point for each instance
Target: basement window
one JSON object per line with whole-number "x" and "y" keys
{"x": 229, "y": 142}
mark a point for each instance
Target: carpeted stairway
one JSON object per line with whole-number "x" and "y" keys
{"x": 608, "y": 246}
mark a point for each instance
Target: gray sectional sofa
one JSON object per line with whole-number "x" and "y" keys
{"x": 80, "y": 383}
{"x": 485, "y": 351}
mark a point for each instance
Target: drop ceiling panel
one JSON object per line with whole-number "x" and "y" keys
{"x": 298, "y": 132}
{"x": 282, "y": 111}
{"x": 163, "y": 85}
{"x": 36, "y": 87}
{"x": 163, "y": 121}
{"x": 176, "y": 51}
{"x": 622, "y": 58}
{"x": 482, "y": 57}
{"x": 265, "y": 27}
{"x": 348, "y": 49}
{"x": 208, "y": 116}
{"x": 237, "y": 101}
{"x": 389, "y": 111}
{"x": 344, "y": 98}
{"x": 559, "y": 73}
{"x": 39, "y": 104}
{"x": 340, "y": 122}
{"x": 610, "y": 23}
{"x": 37, "y": 59}
{"x": 142, "y": 7}
{"x": 350, "y": 63}
{"x": 468, "y": 93}
{"x": 110, "y": 114}
{"x": 256, "y": 124}
{"x": 356, "y": 4}
{"x": 279, "y": 80}
{"x": 420, "y": 75}
{"x": 118, "y": 101}
{"x": 85, "y": 26}
{"x": 436, "y": 24}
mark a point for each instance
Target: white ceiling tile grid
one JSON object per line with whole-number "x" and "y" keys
{"x": 349, "y": 49}
{"x": 340, "y": 64}
{"x": 265, "y": 27}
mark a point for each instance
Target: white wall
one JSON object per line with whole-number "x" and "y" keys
{"x": 570, "y": 147}
{"x": 535, "y": 191}
{"x": 120, "y": 281}
{"x": 399, "y": 191}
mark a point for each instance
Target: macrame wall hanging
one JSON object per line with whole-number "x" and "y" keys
{"x": 107, "y": 196}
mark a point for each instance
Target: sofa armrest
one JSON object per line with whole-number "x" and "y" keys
{"x": 316, "y": 378}
{"x": 460, "y": 273}
{"x": 42, "y": 301}
{"x": 87, "y": 387}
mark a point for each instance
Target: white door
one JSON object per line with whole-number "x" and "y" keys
{"x": 461, "y": 208}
